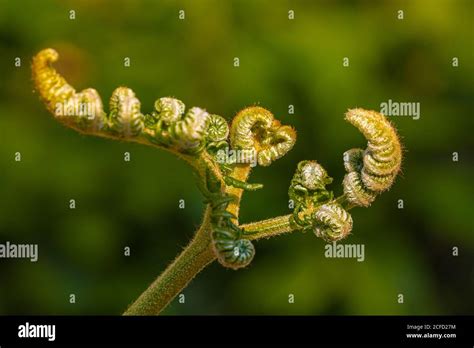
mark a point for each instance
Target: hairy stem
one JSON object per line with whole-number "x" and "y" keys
{"x": 241, "y": 172}
{"x": 268, "y": 228}
{"x": 193, "y": 259}
{"x": 197, "y": 255}
{"x": 342, "y": 200}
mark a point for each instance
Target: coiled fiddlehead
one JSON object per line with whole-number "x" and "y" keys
{"x": 82, "y": 111}
{"x": 199, "y": 138}
{"x": 332, "y": 222}
{"x": 169, "y": 110}
{"x": 308, "y": 191}
{"x": 373, "y": 170}
{"x": 314, "y": 205}
{"x": 231, "y": 249}
{"x": 369, "y": 172}
{"x": 125, "y": 117}
{"x": 254, "y": 128}
{"x": 217, "y": 129}
{"x": 188, "y": 133}
{"x": 184, "y": 133}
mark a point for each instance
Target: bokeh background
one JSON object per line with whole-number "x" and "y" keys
{"x": 282, "y": 62}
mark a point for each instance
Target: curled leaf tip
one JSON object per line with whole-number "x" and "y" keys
{"x": 125, "y": 116}
{"x": 255, "y": 128}
{"x": 313, "y": 175}
{"x": 308, "y": 192}
{"x": 174, "y": 128}
{"x": 217, "y": 129}
{"x": 373, "y": 170}
{"x": 83, "y": 110}
{"x": 231, "y": 249}
{"x": 168, "y": 125}
{"x": 332, "y": 222}
{"x": 169, "y": 109}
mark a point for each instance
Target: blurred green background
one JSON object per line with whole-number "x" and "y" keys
{"x": 282, "y": 62}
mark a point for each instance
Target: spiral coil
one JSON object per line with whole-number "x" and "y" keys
{"x": 373, "y": 170}
{"x": 231, "y": 249}
{"x": 254, "y": 128}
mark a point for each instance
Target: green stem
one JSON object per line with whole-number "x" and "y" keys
{"x": 268, "y": 228}
{"x": 193, "y": 259}
{"x": 196, "y": 256}
{"x": 342, "y": 200}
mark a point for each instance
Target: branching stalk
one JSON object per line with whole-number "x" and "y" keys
{"x": 193, "y": 259}
{"x": 200, "y": 138}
